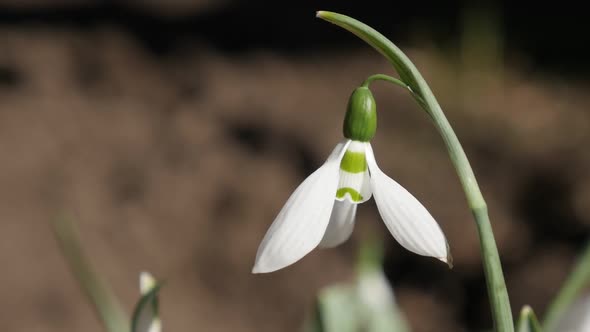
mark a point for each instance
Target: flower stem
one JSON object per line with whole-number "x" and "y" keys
{"x": 411, "y": 77}
{"x": 577, "y": 280}
{"x": 382, "y": 77}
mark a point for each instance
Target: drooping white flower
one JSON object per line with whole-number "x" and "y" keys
{"x": 321, "y": 211}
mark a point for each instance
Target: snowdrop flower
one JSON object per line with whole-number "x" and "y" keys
{"x": 322, "y": 209}
{"x": 145, "y": 317}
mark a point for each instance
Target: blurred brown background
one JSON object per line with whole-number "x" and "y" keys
{"x": 174, "y": 131}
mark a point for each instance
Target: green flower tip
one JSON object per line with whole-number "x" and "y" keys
{"x": 146, "y": 283}
{"x": 325, "y": 15}
{"x": 527, "y": 321}
{"x": 526, "y": 310}
{"x": 360, "y": 121}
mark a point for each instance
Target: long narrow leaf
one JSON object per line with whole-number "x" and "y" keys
{"x": 105, "y": 302}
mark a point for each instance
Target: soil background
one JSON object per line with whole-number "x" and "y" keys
{"x": 172, "y": 132}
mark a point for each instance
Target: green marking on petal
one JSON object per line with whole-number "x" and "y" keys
{"x": 354, "y": 195}
{"x": 354, "y": 162}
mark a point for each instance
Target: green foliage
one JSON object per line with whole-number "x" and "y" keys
{"x": 96, "y": 289}
{"x": 145, "y": 316}
{"x": 527, "y": 322}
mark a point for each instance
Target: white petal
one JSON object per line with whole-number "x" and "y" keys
{"x": 341, "y": 224}
{"x": 408, "y": 221}
{"x": 355, "y": 186}
{"x": 146, "y": 282}
{"x": 576, "y": 318}
{"x": 302, "y": 222}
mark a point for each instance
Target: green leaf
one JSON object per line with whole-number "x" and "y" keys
{"x": 527, "y": 322}
{"x": 96, "y": 289}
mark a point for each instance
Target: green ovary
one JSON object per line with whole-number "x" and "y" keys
{"x": 360, "y": 121}
{"x": 355, "y": 196}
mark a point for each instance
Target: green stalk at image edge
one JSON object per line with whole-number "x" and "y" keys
{"x": 416, "y": 85}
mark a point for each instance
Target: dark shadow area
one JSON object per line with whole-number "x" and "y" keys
{"x": 10, "y": 77}
{"x": 546, "y": 34}
{"x": 463, "y": 291}
{"x": 260, "y": 139}
{"x": 546, "y": 203}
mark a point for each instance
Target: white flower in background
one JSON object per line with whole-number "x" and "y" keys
{"x": 379, "y": 311}
{"x": 576, "y": 318}
{"x": 367, "y": 304}
{"x": 322, "y": 209}
{"x": 145, "y": 318}
{"x": 374, "y": 290}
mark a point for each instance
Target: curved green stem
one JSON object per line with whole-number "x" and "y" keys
{"x": 393, "y": 80}
{"x": 383, "y": 77}
{"x": 420, "y": 90}
{"x": 577, "y": 280}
